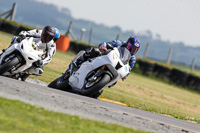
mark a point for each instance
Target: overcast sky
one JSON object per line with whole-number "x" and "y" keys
{"x": 174, "y": 20}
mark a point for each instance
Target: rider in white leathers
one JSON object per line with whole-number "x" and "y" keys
{"x": 45, "y": 40}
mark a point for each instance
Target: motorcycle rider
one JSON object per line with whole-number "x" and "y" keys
{"x": 44, "y": 40}
{"x": 132, "y": 44}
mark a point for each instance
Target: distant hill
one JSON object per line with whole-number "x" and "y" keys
{"x": 39, "y": 14}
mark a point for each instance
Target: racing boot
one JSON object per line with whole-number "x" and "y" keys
{"x": 78, "y": 62}
{"x": 39, "y": 71}
{"x": 3, "y": 50}
{"x": 89, "y": 53}
{"x": 36, "y": 71}
{"x": 24, "y": 77}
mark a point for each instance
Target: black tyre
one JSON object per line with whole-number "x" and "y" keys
{"x": 64, "y": 85}
{"x": 8, "y": 65}
{"x": 95, "y": 88}
{"x": 53, "y": 84}
{"x": 97, "y": 94}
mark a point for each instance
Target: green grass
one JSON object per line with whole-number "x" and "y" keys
{"x": 139, "y": 91}
{"x": 18, "y": 117}
{"x": 151, "y": 95}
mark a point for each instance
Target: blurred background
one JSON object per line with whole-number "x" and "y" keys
{"x": 165, "y": 25}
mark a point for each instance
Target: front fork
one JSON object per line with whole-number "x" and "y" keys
{"x": 96, "y": 74}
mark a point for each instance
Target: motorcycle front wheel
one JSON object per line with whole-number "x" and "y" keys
{"x": 9, "y": 65}
{"x": 92, "y": 88}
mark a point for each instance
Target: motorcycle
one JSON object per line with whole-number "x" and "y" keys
{"x": 94, "y": 74}
{"x": 19, "y": 58}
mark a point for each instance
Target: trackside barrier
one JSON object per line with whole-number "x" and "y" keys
{"x": 174, "y": 75}
{"x": 12, "y": 27}
{"x": 162, "y": 71}
{"x": 77, "y": 46}
{"x": 178, "y": 77}
{"x": 193, "y": 82}
{"x": 63, "y": 43}
{"x": 146, "y": 66}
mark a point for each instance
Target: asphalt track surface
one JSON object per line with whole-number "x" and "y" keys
{"x": 94, "y": 109}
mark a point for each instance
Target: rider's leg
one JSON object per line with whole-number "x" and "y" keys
{"x": 89, "y": 53}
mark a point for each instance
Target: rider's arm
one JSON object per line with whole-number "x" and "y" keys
{"x": 114, "y": 43}
{"x": 51, "y": 50}
{"x": 109, "y": 45}
{"x": 132, "y": 62}
{"x": 31, "y": 33}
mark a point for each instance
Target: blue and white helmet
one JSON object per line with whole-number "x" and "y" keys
{"x": 57, "y": 35}
{"x": 133, "y": 45}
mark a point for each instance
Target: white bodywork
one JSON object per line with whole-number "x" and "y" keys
{"x": 25, "y": 47}
{"x": 77, "y": 79}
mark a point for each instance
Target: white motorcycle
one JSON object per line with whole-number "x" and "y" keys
{"x": 19, "y": 58}
{"x": 93, "y": 75}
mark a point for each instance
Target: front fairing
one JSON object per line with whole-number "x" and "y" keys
{"x": 125, "y": 55}
{"x": 26, "y": 50}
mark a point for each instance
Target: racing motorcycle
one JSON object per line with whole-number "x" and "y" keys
{"x": 93, "y": 75}
{"x": 19, "y": 58}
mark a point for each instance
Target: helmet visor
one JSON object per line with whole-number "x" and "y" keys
{"x": 46, "y": 38}
{"x": 133, "y": 49}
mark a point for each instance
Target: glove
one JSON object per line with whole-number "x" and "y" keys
{"x": 38, "y": 63}
{"x": 19, "y": 39}
{"x": 112, "y": 85}
{"x": 124, "y": 78}
{"x": 103, "y": 49}
{"x": 22, "y": 35}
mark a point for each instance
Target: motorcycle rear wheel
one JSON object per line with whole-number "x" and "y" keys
{"x": 53, "y": 84}
{"x": 8, "y": 65}
{"x": 64, "y": 85}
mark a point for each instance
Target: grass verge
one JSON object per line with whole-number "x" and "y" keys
{"x": 19, "y": 117}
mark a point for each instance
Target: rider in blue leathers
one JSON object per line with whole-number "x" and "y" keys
{"x": 132, "y": 44}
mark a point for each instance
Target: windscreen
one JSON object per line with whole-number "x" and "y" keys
{"x": 124, "y": 54}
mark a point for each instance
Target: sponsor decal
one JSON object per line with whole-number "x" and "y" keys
{"x": 126, "y": 69}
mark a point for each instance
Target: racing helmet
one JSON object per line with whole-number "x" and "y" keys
{"x": 133, "y": 45}
{"x": 48, "y": 33}
{"x": 57, "y": 35}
